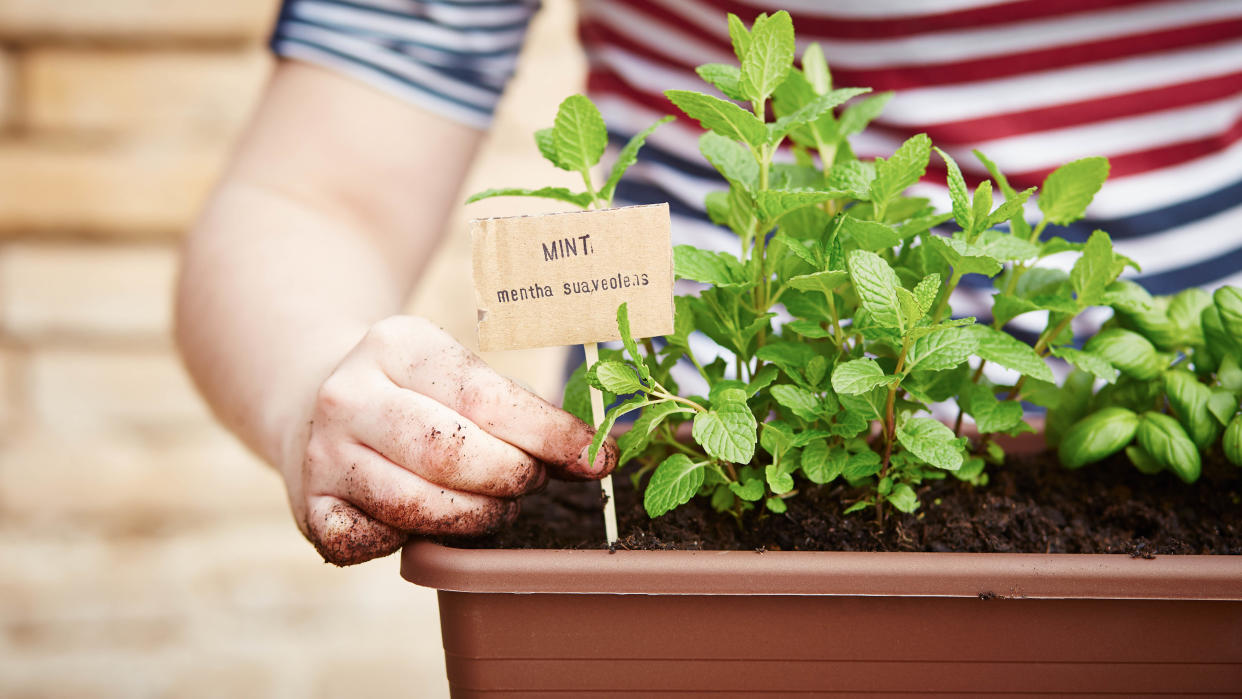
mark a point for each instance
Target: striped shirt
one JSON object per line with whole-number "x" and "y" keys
{"x": 1155, "y": 86}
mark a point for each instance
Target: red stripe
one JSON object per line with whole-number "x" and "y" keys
{"x": 991, "y": 67}
{"x": 1122, "y": 165}
{"x": 837, "y": 27}
{"x": 1078, "y": 113}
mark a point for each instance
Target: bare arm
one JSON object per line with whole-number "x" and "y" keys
{"x": 335, "y": 200}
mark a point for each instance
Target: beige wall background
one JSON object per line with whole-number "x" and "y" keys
{"x": 143, "y": 552}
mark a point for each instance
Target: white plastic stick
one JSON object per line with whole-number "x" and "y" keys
{"x": 597, "y": 417}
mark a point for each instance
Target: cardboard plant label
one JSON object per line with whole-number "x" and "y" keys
{"x": 557, "y": 279}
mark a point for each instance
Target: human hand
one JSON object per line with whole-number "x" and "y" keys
{"x": 414, "y": 434}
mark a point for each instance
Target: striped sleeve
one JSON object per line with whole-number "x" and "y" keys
{"x": 451, "y": 57}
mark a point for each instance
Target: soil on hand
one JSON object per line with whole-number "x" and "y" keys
{"x": 1031, "y": 505}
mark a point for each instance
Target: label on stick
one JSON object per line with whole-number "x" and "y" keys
{"x": 557, "y": 279}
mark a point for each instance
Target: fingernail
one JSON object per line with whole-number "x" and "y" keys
{"x": 606, "y": 453}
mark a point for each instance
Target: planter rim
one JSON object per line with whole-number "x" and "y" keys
{"x": 847, "y": 574}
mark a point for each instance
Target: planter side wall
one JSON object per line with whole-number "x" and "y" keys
{"x": 597, "y": 645}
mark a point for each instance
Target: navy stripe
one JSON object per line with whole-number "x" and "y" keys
{"x": 388, "y": 73}
{"x": 1157, "y": 220}
{"x": 392, "y": 40}
{"x": 413, "y": 15}
{"x": 648, "y": 193}
{"x": 1198, "y": 274}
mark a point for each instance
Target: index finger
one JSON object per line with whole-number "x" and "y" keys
{"x": 457, "y": 378}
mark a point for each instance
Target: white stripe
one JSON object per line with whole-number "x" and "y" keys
{"x": 960, "y": 45}
{"x": 1048, "y": 149}
{"x": 412, "y": 28}
{"x": 1184, "y": 245}
{"x": 384, "y": 82}
{"x": 933, "y": 105}
{"x": 401, "y": 65}
{"x": 873, "y": 9}
{"x": 496, "y": 70}
{"x": 682, "y": 46}
{"x": 677, "y": 138}
{"x": 490, "y": 15}
{"x": 648, "y": 76}
{"x": 690, "y": 190}
{"x": 1128, "y": 196}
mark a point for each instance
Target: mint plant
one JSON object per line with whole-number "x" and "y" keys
{"x": 836, "y": 313}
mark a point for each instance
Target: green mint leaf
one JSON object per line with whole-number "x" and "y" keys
{"x": 982, "y": 205}
{"x": 912, "y": 227}
{"x": 903, "y": 498}
{"x": 774, "y": 203}
{"x": 964, "y": 257}
{"x": 636, "y": 439}
{"x": 1097, "y": 436}
{"x": 858, "y": 376}
{"x": 776, "y": 438}
{"x": 820, "y": 463}
{"x": 853, "y": 178}
{"x": 911, "y": 311}
{"x": 876, "y": 285}
{"x": 1093, "y": 364}
{"x": 903, "y": 169}
{"x": 762, "y": 379}
{"x": 1163, "y": 438}
{"x": 799, "y": 249}
{"x": 870, "y": 235}
{"x": 861, "y": 465}
{"x": 721, "y": 116}
{"x": 769, "y": 55}
{"x": 614, "y": 377}
{"x": 739, "y": 35}
{"x": 855, "y": 117}
{"x": 581, "y": 200}
{"x": 860, "y": 505}
{"x": 1005, "y": 247}
{"x": 683, "y": 322}
{"x": 811, "y": 111}
{"x": 996, "y": 174}
{"x": 776, "y": 505}
{"x": 1232, "y": 441}
{"x": 824, "y": 282}
{"x": 547, "y": 147}
{"x": 779, "y": 482}
{"x": 926, "y": 291}
{"x": 1092, "y": 273}
{"x": 631, "y": 347}
{"x": 673, "y": 483}
{"x": 1128, "y": 351}
{"x": 815, "y": 68}
{"x": 723, "y": 77}
{"x": 610, "y": 418}
{"x": 627, "y": 157}
{"x": 816, "y": 369}
{"x": 941, "y": 349}
{"x": 1189, "y": 399}
{"x": 750, "y": 490}
{"x": 1012, "y": 207}
{"x": 990, "y": 414}
{"x": 579, "y": 134}
{"x": 730, "y": 158}
{"x": 1001, "y": 348}
{"x": 727, "y": 432}
{"x": 791, "y": 357}
{"x": 1070, "y": 188}
{"x": 932, "y": 442}
{"x": 719, "y": 269}
{"x": 798, "y": 400}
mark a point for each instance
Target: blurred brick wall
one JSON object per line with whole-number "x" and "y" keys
{"x": 143, "y": 552}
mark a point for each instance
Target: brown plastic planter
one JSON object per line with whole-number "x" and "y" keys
{"x": 706, "y": 623}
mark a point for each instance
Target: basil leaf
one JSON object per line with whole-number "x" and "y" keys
{"x": 1163, "y": 438}
{"x": 1097, "y": 436}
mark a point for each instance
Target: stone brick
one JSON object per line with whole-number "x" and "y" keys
{"x": 136, "y": 486}
{"x": 86, "y": 290}
{"x": 79, "y": 393}
{"x": 130, "y": 188}
{"x": 140, "y": 91}
{"x": 163, "y": 20}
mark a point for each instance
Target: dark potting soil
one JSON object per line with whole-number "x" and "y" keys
{"x": 1030, "y": 505}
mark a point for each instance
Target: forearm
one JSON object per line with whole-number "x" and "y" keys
{"x": 272, "y": 296}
